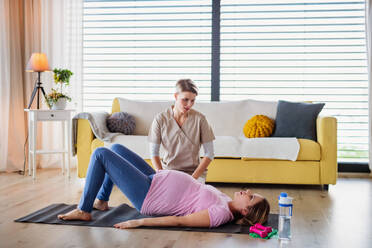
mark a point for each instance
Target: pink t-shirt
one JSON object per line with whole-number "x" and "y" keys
{"x": 176, "y": 193}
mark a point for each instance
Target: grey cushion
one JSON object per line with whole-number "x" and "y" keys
{"x": 121, "y": 122}
{"x": 295, "y": 119}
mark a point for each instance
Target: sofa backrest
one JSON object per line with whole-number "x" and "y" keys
{"x": 226, "y": 118}
{"x": 143, "y": 112}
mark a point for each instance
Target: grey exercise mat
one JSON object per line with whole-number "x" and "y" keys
{"x": 48, "y": 215}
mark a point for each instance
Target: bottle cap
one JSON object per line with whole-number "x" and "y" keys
{"x": 283, "y": 194}
{"x": 285, "y": 200}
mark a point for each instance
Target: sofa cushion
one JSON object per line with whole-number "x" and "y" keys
{"x": 269, "y": 148}
{"x": 258, "y": 126}
{"x": 309, "y": 150}
{"x": 297, "y": 119}
{"x": 121, "y": 122}
{"x": 226, "y": 146}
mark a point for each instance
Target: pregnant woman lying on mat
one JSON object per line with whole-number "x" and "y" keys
{"x": 176, "y": 196}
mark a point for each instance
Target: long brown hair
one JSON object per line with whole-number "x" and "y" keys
{"x": 186, "y": 85}
{"x": 258, "y": 213}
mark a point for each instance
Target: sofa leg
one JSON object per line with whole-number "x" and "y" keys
{"x": 325, "y": 187}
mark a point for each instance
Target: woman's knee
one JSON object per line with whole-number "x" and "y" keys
{"x": 101, "y": 151}
{"x": 120, "y": 149}
{"x": 116, "y": 146}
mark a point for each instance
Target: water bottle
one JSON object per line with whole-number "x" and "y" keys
{"x": 285, "y": 214}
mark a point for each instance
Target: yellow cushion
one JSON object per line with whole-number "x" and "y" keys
{"x": 258, "y": 126}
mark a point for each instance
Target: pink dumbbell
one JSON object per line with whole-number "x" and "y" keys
{"x": 261, "y": 227}
{"x": 260, "y": 230}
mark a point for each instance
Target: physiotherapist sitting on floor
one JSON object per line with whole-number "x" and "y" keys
{"x": 181, "y": 131}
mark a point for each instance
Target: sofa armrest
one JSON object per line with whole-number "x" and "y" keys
{"x": 326, "y": 128}
{"x": 85, "y": 137}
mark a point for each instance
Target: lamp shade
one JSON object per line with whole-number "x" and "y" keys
{"x": 37, "y": 63}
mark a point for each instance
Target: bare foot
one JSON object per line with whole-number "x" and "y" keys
{"x": 101, "y": 205}
{"x": 75, "y": 214}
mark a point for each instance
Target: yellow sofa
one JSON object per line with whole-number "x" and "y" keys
{"x": 316, "y": 162}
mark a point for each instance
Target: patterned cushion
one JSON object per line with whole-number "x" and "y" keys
{"x": 121, "y": 122}
{"x": 258, "y": 126}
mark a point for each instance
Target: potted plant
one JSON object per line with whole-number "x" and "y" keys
{"x": 57, "y": 99}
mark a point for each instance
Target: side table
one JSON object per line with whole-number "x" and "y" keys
{"x": 35, "y": 115}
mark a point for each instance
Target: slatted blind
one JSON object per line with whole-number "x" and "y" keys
{"x": 296, "y": 50}
{"x": 300, "y": 50}
{"x": 139, "y": 49}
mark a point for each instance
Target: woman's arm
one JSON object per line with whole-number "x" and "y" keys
{"x": 155, "y": 158}
{"x": 201, "y": 167}
{"x": 208, "y": 157}
{"x": 198, "y": 219}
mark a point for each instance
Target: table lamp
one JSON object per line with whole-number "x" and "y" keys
{"x": 37, "y": 63}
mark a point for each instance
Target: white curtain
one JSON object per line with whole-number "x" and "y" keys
{"x": 369, "y": 49}
{"x": 51, "y": 27}
{"x": 61, "y": 40}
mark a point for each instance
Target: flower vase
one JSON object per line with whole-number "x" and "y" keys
{"x": 60, "y": 104}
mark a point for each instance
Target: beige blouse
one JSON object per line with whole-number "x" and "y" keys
{"x": 181, "y": 144}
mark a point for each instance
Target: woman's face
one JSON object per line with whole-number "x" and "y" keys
{"x": 184, "y": 101}
{"x": 246, "y": 199}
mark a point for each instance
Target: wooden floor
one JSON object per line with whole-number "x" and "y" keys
{"x": 341, "y": 217}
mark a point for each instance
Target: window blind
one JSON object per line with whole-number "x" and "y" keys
{"x": 269, "y": 50}
{"x": 139, "y": 49}
{"x": 306, "y": 50}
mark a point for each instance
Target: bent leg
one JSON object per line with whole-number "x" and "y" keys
{"x": 131, "y": 181}
{"x": 132, "y": 158}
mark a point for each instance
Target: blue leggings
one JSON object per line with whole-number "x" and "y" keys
{"x": 120, "y": 166}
